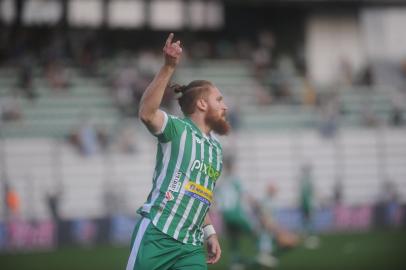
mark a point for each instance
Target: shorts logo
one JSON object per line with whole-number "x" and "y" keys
{"x": 169, "y": 196}
{"x": 199, "y": 192}
{"x": 174, "y": 185}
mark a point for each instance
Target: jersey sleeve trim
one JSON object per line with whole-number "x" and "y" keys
{"x": 159, "y": 132}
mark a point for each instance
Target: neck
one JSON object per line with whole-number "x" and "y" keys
{"x": 198, "y": 119}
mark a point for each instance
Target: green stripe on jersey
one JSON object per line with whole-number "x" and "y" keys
{"x": 188, "y": 165}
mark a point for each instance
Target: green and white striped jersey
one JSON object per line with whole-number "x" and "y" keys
{"x": 188, "y": 164}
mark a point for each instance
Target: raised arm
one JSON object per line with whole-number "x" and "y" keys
{"x": 149, "y": 112}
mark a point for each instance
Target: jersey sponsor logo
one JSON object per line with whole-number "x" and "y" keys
{"x": 199, "y": 192}
{"x": 207, "y": 169}
{"x": 169, "y": 196}
{"x": 175, "y": 185}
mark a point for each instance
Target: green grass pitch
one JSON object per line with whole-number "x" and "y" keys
{"x": 344, "y": 251}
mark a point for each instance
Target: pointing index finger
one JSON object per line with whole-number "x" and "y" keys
{"x": 169, "y": 40}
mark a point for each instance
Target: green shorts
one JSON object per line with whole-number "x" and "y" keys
{"x": 151, "y": 249}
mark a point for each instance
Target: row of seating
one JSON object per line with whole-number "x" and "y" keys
{"x": 363, "y": 160}
{"x": 54, "y": 113}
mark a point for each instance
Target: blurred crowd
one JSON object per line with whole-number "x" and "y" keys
{"x": 281, "y": 76}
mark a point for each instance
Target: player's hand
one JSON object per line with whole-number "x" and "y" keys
{"x": 172, "y": 51}
{"x": 213, "y": 249}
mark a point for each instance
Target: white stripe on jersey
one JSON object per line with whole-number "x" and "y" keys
{"x": 166, "y": 151}
{"x": 180, "y": 197}
{"x": 217, "y": 165}
{"x": 199, "y": 209}
{"x": 178, "y": 163}
{"x": 206, "y": 183}
{"x": 163, "y": 124}
{"x": 199, "y": 175}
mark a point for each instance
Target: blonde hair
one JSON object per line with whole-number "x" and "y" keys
{"x": 189, "y": 94}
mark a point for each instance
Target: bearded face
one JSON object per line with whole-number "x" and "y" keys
{"x": 217, "y": 121}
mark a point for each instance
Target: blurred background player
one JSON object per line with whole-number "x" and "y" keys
{"x": 247, "y": 217}
{"x": 273, "y": 238}
{"x": 306, "y": 205}
{"x": 234, "y": 204}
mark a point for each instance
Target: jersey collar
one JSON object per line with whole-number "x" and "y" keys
{"x": 197, "y": 129}
{"x": 193, "y": 126}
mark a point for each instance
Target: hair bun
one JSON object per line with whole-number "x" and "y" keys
{"x": 178, "y": 89}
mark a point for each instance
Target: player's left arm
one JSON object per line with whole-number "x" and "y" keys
{"x": 213, "y": 245}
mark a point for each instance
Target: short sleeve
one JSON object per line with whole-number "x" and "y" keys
{"x": 171, "y": 128}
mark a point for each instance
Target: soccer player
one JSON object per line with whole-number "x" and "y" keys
{"x": 235, "y": 206}
{"x": 306, "y": 206}
{"x": 174, "y": 221}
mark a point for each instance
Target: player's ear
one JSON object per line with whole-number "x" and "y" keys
{"x": 201, "y": 104}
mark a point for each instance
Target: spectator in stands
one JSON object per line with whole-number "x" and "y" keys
{"x": 345, "y": 72}
{"x": 148, "y": 61}
{"x": 25, "y": 79}
{"x": 390, "y": 204}
{"x": 126, "y": 141}
{"x": 309, "y": 95}
{"x": 285, "y": 73}
{"x": 52, "y": 201}
{"x": 103, "y": 137}
{"x": 57, "y": 76}
{"x": 57, "y": 49}
{"x": 244, "y": 49}
{"x": 200, "y": 50}
{"x": 338, "y": 190}
{"x": 114, "y": 199}
{"x": 88, "y": 139}
{"x": 396, "y": 116}
{"x": 337, "y": 198}
{"x": 73, "y": 139}
{"x": 224, "y": 49}
{"x": 261, "y": 59}
{"x": 10, "y": 109}
{"x": 368, "y": 116}
{"x": 235, "y": 118}
{"x": 262, "y": 55}
{"x": 84, "y": 138}
{"x": 366, "y": 77}
{"x": 12, "y": 202}
{"x": 88, "y": 55}
{"x": 329, "y": 114}
{"x": 123, "y": 88}
{"x": 403, "y": 75}
{"x": 234, "y": 114}
{"x": 128, "y": 85}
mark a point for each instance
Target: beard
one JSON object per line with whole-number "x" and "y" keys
{"x": 217, "y": 123}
